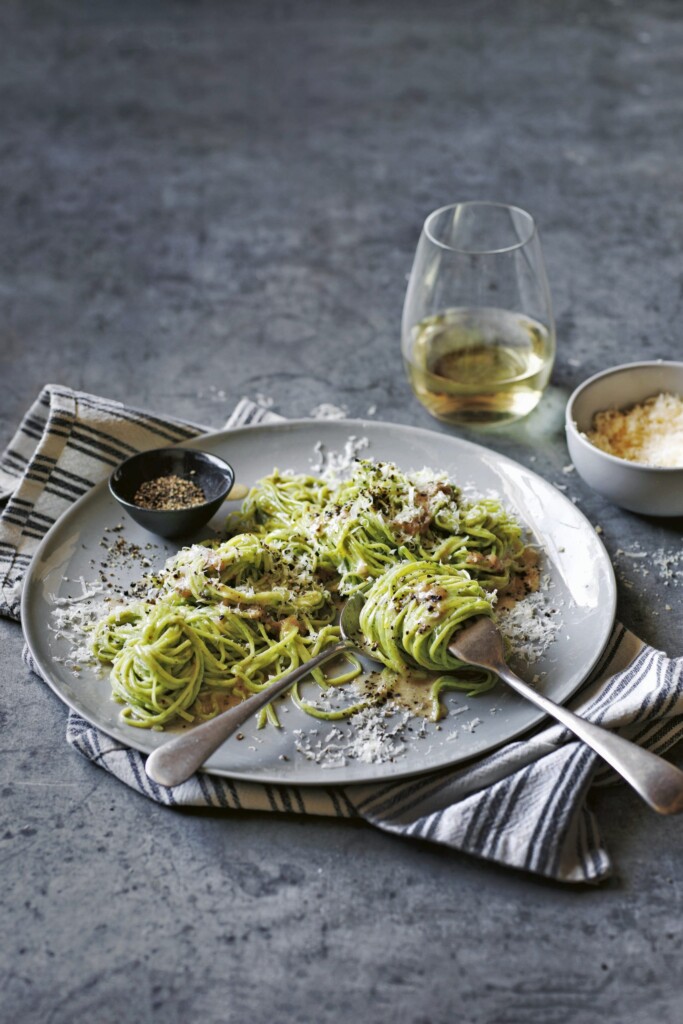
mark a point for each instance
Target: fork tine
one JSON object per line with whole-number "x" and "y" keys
{"x": 480, "y": 644}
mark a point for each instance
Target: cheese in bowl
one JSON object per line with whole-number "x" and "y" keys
{"x": 649, "y": 432}
{"x": 624, "y": 431}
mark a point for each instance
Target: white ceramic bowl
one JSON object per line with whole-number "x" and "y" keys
{"x": 649, "y": 490}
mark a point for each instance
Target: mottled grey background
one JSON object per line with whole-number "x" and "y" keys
{"x": 207, "y": 200}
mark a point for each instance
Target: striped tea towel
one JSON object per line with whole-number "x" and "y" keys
{"x": 524, "y": 805}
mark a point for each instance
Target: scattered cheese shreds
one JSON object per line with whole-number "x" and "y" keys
{"x": 373, "y": 735}
{"x": 327, "y": 411}
{"x": 333, "y": 465}
{"x": 531, "y": 626}
{"x": 650, "y": 433}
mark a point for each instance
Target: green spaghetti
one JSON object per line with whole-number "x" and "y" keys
{"x": 224, "y": 619}
{"x": 412, "y": 611}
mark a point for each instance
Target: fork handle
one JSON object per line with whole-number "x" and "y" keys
{"x": 179, "y": 758}
{"x": 658, "y": 782}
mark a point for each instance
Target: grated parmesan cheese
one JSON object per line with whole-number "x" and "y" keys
{"x": 333, "y": 465}
{"x": 650, "y": 433}
{"x": 327, "y": 411}
{"x": 531, "y": 625}
{"x": 666, "y": 565}
{"x": 372, "y": 736}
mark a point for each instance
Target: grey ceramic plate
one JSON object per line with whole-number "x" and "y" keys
{"x": 574, "y": 558}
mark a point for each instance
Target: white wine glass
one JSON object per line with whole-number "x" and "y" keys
{"x": 478, "y": 336}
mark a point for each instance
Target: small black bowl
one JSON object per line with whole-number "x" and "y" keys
{"x": 213, "y": 475}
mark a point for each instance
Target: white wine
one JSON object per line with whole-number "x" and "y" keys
{"x": 479, "y": 366}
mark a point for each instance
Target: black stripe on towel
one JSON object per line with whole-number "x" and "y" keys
{"x": 496, "y": 830}
{"x": 561, "y": 798}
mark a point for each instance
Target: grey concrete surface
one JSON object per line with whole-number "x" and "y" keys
{"x": 207, "y": 200}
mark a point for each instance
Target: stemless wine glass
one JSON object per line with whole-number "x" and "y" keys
{"x": 478, "y": 336}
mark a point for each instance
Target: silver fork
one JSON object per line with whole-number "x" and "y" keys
{"x": 658, "y": 782}
{"x": 176, "y": 760}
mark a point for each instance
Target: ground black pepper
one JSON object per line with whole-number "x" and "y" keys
{"x": 169, "y": 492}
